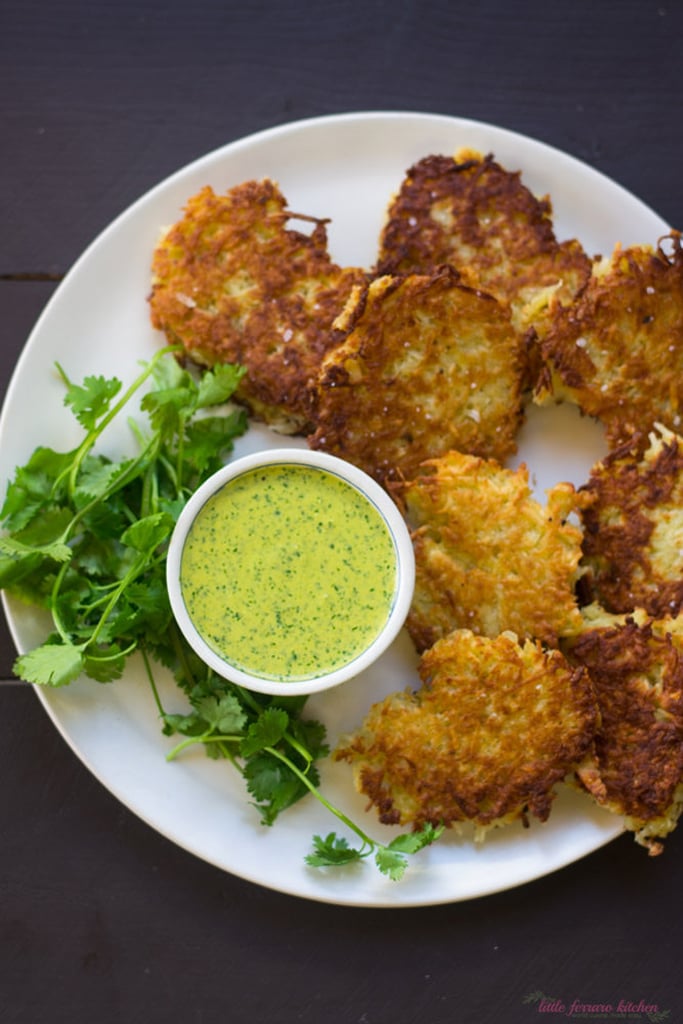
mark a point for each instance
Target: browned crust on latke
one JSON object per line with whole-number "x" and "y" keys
{"x": 426, "y": 365}
{"x": 633, "y": 495}
{"x": 492, "y": 730}
{"x": 474, "y": 214}
{"x": 637, "y": 674}
{"x": 234, "y": 284}
{"x": 617, "y": 352}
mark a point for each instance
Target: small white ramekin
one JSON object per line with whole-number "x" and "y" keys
{"x": 374, "y": 494}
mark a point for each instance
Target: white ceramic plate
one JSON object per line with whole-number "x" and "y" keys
{"x": 344, "y": 167}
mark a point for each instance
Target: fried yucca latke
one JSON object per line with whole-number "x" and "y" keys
{"x": 633, "y": 530}
{"x": 493, "y": 729}
{"x": 636, "y": 665}
{"x": 471, "y": 212}
{"x": 233, "y": 283}
{"x": 426, "y": 365}
{"x": 618, "y": 351}
{"x": 489, "y": 557}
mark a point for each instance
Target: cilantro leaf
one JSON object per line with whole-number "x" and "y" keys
{"x": 312, "y": 735}
{"x": 149, "y": 598}
{"x": 208, "y": 439}
{"x": 266, "y": 731}
{"x": 51, "y": 526}
{"x": 105, "y": 664}
{"x": 332, "y": 851}
{"x": 167, "y": 408}
{"x": 391, "y": 863}
{"x": 168, "y": 373}
{"x": 413, "y": 842}
{"x": 51, "y": 664}
{"x": 145, "y": 535}
{"x": 98, "y": 476}
{"x": 91, "y": 400}
{"x": 218, "y": 385}
{"x": 225, "y": 713}
{"x": 273, "y": 785}
{"x": 57, "y": 551}
{"x": 16, "y": 567}
{"x": 191, "y": 724}
{"x": 33, "y": 487}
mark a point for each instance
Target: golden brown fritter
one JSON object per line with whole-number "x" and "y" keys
{"x": 426, "y": 365}
{"x": 633, "y": 530}
{"x": 233, "y": 283}
{"x": 493, "y": 729}
{"x": 618, "y": 351}
{"x": 489, "y": 557}
{"x": 636, "y": 665}
{"x": 471, "y": 212}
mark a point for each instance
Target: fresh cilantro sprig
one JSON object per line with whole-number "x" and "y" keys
{"x": 86, "y": 534}
{"x": 391, "y": 859}
{"x": 85, "y": 539}
{"x": 275, "y": 750}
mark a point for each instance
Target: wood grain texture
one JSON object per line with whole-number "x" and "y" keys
{"x": 101, "y": 919}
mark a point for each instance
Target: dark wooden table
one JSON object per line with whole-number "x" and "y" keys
{"x": 101, "y": 919}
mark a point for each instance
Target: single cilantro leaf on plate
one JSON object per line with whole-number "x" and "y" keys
{"x": 332, "y": 851}
{"x": 51, "y": 664}
{"x": 391, "y": 863}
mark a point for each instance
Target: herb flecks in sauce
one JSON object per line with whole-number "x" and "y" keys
{"x": 289, "y": 572}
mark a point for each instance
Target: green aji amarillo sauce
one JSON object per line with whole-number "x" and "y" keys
{"x": 288, "y": 572}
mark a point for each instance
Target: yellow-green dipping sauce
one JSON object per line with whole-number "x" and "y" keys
{"x": 288, "y": 572}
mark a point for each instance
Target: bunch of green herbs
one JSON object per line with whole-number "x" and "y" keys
{"x": 86, "y": 538}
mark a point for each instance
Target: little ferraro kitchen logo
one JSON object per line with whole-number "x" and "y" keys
{"x": 626, "y": 1009}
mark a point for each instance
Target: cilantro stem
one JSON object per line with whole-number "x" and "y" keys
{"x": 179, "y": 650}
{"x": 118, "y": 484}
{"x": 172, "y": 475}
{"x": 207, "y": 737}
{"x": 152, "y": 682}
{"x": 181, "y": 452}
{"x": 300, "y": 749}
{"x": 54, "y": 603}
{"x": 103, "y": 658}
{"x": 248, "y": 698}
{"x": 371, "y": 844}
{"x": 138, "y": 566}
{"x": 93, "y": 435}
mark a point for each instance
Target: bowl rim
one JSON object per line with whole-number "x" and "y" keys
{"x": 365, "y": 485}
